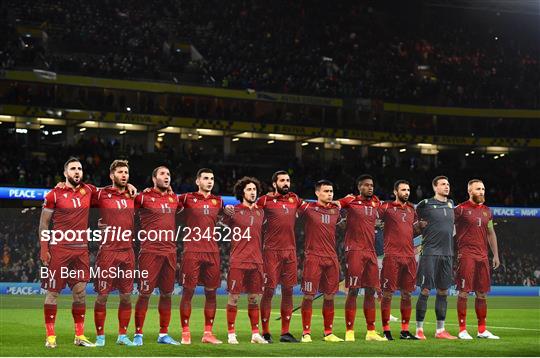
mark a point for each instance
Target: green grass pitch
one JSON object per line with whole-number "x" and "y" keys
{"x": 515, "y": 319}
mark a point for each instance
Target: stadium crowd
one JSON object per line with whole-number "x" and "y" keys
{"x": 408, "y": 52}
{"x": 506, "y": 187}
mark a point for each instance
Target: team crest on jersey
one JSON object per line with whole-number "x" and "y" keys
{"x": 127, "y": 195}
{"x": 170, "y": 199}
{"x": 194, "y": 200}
{"x": 450, "y": 205}
{"x": 82, "y": 191}
{"x": 484, "y": 213}
{"x": 109, "y": 195}
{"x": 373, "y": 204}
{"x": 153, "y": 199}
{"x": 258, "y": 213}
{"x": 275, "y": 200}
{"x": 291, "y": 200}
{"x": 332, "y": 211}
{"x": 65, "y": 195}
{"x": 214, "y": 202}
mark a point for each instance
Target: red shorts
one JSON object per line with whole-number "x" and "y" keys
{"x": 398, "y": 272}
{"x": 280, "y": 267}
{"x": 161, "y": 269}
{"x": 68, "y": 265}
{"x": 246, "y": 278}
{"x": 201, "y": 268}
{"x": 362, "y": 270}
{"x": 321, "y": 274}
{"x": 473, "y": 274}
{"x": 123, "y": 261}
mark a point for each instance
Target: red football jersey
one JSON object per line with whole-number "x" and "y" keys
{"x": 246, "y": 246}
{"x": 320, "y": 229}
{"x": 200, "y": 215}
{"x": 361, "y": 217}
{"x": 157, "y": 212}
{"x": 280, "y": 214}
{"x": 398, "y": 228}
{"x": 71, "y": 209}
{"x": 471, "y": 222}
{"x": 116, "y": 210}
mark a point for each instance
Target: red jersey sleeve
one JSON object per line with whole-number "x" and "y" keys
{"x": 181, "y": 201}
{"x": 95, "y": 198}
{"x": 303, "y": 208}
{"x": 458, "y": 210}
{"x": 344, "y": 202}
{"x": 299, "y": 202}
{"x": 381, "y": 209}
{"x": 50, "y": 200}
{"x": 262, "y": 201}
{"x": 139, "y": 200}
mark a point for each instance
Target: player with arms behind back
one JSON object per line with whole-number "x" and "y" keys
{"x": 68, "y": 209}
{"x": 436, "y": 217}
{"x": 474, "y": 232}
{"x": 246, "y": 262}
{"x": 321, "y": 264}
{"x": 399, "y": 263}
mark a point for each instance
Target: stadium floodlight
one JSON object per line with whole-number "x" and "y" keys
{"x": 271, "y": 141}
{"x": 82, "y": 129}
{"x": 122, "y": 132}
{"x": 235, "y": 139}
{"x": 304, "y": 144}
{"x": 403, "y": 150}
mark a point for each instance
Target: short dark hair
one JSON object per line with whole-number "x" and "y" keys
{"x": 155, "y": 171}
{"x": 118, "y": 163}
{"x": 399, "y": 182}
{"x": 363, "y": 177}
{"x": 472, "y": 181}
{"x": 241, "y": 185}
{"x": 323, "y": 182}
{"x": 277, "y": 174}
{"x": 204, "y": 170}
{"x": 437, "y": 178}
{"x": 71, "y": 160}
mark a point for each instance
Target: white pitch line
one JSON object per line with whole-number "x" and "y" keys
{"x": 446, "y": 324}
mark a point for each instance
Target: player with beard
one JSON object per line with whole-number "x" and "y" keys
{"x": 67, "y": 207}
{"x": 435, "y": 270}
{"x": 157, "y": 209}
{"x": 200, "y": 259}
{"x": 279, "y": 252}
{"x": 361, "y": 258}
{"x": 246, "y": 261}
{"x": 399, "y": 263}
{"x": 474, "y": 232}
{"x": 116, "y": 208}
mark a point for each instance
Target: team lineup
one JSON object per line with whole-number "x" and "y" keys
{"x": 263, "y": 254}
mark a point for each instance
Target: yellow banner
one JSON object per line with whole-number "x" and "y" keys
{"x": 157, "y": 87}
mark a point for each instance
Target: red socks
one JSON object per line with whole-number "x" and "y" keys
{"x": 209, "y": 310}
{"x": 350, "y": 311}
{"x": 140, "y": 313}
{"x": 328, "y": 315}
{"x": 185, "y": 308}
{"x": 253, "y": 313}
{"x": 78, "y": 311}
{"x": 480, "y": 306}
{"x": 124, "y": 315}
{"x": 386, "y": 305}
{"x": 100, "y": 313}
{"x": 266, "y": 309}
{"x": 164, "y": 309}
{"x": 49, "y": 312}
{"x": 406, "y": 309}
{"x": 462, "y": 312}
{"x": 286, "y": 308}
{"x": 369, "y": 311}
{"x": 231, "y": 317}
{"x": 307, "y": 310}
